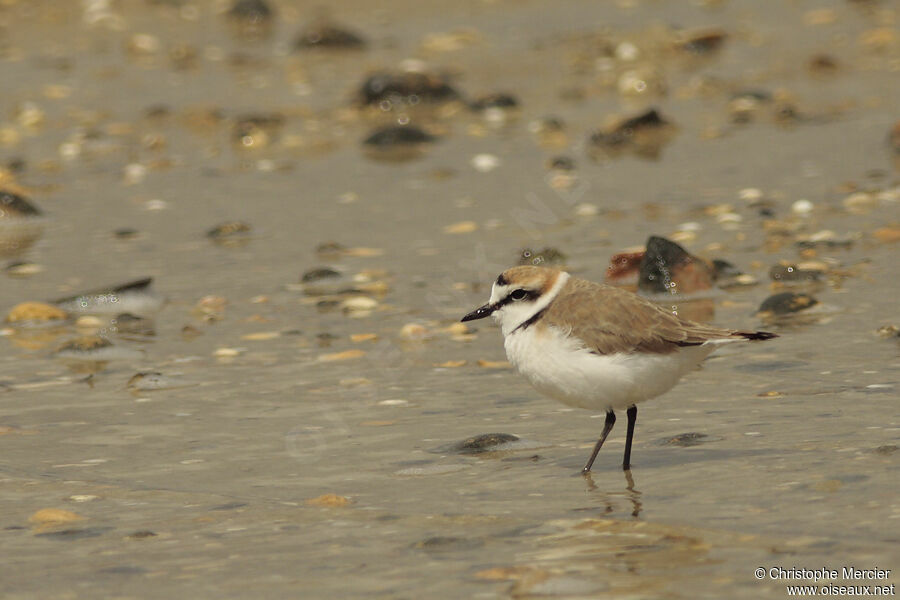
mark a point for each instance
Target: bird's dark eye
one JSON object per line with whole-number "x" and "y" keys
{"x": 518, "y": 294}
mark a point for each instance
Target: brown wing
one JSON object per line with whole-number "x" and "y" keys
{"x": 611, "y": 320}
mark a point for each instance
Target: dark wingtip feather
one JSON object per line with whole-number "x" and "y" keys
{"x": 757, "y": 335}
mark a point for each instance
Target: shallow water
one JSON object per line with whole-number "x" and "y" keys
{"x": 799, "y": 467}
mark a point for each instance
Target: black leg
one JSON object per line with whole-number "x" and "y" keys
{"x": 607, "y": 427}
{"x": 632, "y": 419}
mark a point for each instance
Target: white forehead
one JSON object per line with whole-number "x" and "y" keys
{"x": 498, "y": 292}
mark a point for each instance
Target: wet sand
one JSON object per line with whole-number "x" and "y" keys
{"x": 285, "y": 457}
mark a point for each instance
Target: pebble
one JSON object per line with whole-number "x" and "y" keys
{"x": 394, "y": 402}
{"x": 586, "y": 209}
{"x": 461, "y": 227}
{"x": 785, "y": 303}
{"x": 888, "y": 331}
{"x": 390, "y": 90}
{"x": 338, "y": 356}
{"x": 484, "y": 163}
{"x": 324, "y": 35}
{"x": 887, "y": 235}
{"x": 49, "y": 518}
{"x": 494, "y": 364}
{"x": 686, "y": 440}
{"x": 35, "y": 312}
{"x": 414, "y": 331}
{"x": 393, "y": 136}
{"x": 82, "y": 498}
{"x": 702, "y": 42}
{"x": 228, "y": 352}
{"x": 329, "y": 501}
{"x": 750, "y": 194}
{"x": 451, "y": 364}
{"x": 802, "y": 207}
{"x": 363, "y": 337}
{"x": 644, "y": 134}
{"x": 210, "y": 308}
{"x": 456, "y": 329}
{"x": 860, "y": 202}
{"x": 23, "y": 269}
{"x": 89, "y": 322}
{"x": 261, "y": 336}
{"x": 359, "y": 304}
{"x": 228, "y": 230}
{"x": 319, "y": 273}
{"x": 252, "y": 19}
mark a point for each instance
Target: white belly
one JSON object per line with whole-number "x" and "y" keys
{"x": 559, "y": 367}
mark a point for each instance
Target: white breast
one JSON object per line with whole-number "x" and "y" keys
{"x": 559, "y": 366}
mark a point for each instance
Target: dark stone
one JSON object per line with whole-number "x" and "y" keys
{"x": 486, "y": 442}
{"x": 494, "y": 101}
{"x": 253, "y": 11}
{"x": 406, "y": 88}
{"x": 398, "y": 135}
{"x": 786, "y": 303}
{"x": 74, "y": 534}
{"x": 704, "y": 43}
{"x": 644, "y": 135}
{"x": 14, "y": 205}
{"x": 447, "y": 544}
{"x": 231, "y": 228}
{"x": 126, "y": 233}
{"x": 253, "y": 124}
{"x": 319, "y": 273}
{"x": 686, "y": 440}
{"x": 328, "y": 36}
{"x": 562, "y": 163}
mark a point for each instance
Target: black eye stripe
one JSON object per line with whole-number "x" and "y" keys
{"x": 529, "y": 295}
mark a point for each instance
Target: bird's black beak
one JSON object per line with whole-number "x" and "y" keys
{"x": 480, "y": 313}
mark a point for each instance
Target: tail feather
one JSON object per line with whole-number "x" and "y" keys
{"x": 756, "y": 335}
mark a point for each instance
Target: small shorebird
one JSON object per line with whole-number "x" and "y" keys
{"x": 595, "y": 346}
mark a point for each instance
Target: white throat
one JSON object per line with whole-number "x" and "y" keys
{"x": 516, "y": 313}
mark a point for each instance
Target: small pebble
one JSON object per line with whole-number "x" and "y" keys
{"x": 484, "y": 163}
{"x": 414, "y": 331}
{"x": 394, "y": 402}
{"x": 82, "y": 498}
{"x": 23, "y": 269}
{"x": 48, "y": 518}
{"x": 802, "y": 207}
{"x": 329, "y": 501}
{"x": 359, "y": 304}
{"x": 461, "y": 227}
{"x": 228, "y": 352}
{"x": 587, "y": 210}
{"x": 35, "y": 312}
{"x": 338, "y": 356}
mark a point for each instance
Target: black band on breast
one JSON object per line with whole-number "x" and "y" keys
{"x": 530, "y": 321}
